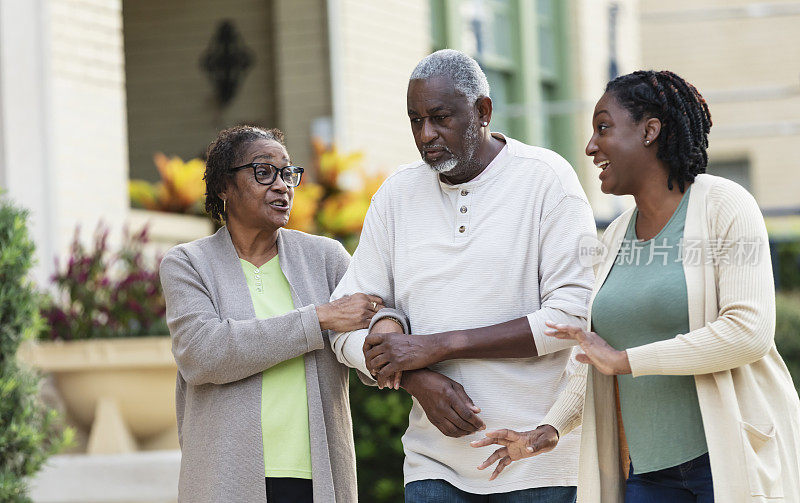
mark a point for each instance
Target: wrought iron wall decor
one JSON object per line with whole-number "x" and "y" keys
{"x": 226, "y": 61}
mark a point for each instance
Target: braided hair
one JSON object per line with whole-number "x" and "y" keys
{"x": 221, "y": 155}
{"x": 684, "y": 115}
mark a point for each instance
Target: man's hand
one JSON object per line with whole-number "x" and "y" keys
{"x": 596, "y": 350}
{"x": 516, "y": 445}
{"x": 384, "y": 326}
{"x": 444, "y": 401}
{"x": 391, "y": 353}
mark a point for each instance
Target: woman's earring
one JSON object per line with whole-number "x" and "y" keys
{"x": 485, "y": 123}
{"x": 225, "y": 206}
{"x": 647, "y": 142}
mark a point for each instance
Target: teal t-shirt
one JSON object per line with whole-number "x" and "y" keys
{"x": 284, "y": 400}
{"x": 644, "y": 300}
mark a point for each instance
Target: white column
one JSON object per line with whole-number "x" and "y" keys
{"x": 25, "y": 139}
{"x": 63, "y": 135}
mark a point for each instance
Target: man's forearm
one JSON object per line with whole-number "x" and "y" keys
{"x": 511, "y": 339}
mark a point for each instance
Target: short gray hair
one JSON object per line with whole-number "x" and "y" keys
{"x": 466, "y": 74}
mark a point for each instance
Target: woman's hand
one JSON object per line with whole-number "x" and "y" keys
{"x": 516, "y": 445}
{"x": 597, "y": 352}
{"x": 349, "y": 313}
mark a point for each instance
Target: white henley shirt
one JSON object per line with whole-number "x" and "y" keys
{"x": 501, "y": 246}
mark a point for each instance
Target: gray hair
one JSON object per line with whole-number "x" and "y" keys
{"x": 466, "y": 74}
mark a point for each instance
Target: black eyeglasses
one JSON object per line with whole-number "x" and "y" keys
{"x": 266, "y": 173}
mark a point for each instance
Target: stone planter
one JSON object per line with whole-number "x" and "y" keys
{"x": 120, "y": 393}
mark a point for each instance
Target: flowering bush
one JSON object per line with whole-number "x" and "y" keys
{"x": 335, "y": 206}
{"x": 181, "y": 189}
{"x": 104, "y": 294}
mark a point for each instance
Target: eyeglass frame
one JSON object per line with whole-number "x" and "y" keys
{"x": 278, "y": 172}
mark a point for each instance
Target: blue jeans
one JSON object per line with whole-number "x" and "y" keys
{"x": 439, "y": 491}
{"x": 689, "y": 482}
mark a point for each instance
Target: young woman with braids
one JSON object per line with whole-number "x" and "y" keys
{"x": 684, "y": 398}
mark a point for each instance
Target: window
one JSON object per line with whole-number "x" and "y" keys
{"x": 524, "y": 66}
{"x": 737, "y": 170}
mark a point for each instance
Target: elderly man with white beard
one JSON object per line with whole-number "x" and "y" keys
{"x": 477, "y": 245}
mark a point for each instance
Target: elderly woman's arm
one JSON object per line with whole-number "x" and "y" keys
{"x": 208, "y": 349}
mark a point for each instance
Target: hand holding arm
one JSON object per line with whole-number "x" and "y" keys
{"x": 390, "y": 353}
{"x": 387, "y": 326}
{"x": 444, "y": 401}
{"x": 349, "y": 312}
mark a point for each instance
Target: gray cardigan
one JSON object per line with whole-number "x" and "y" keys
{"x": 221, "y": 348}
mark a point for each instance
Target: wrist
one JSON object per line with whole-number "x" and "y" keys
{"x": 409, "y": 380}
{"x": 624, "y": 366}
{"x": 386, "y": 325}
{"x": 322, "y": 316}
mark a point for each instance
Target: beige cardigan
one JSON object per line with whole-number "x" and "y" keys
{"x": 750, "y": 409}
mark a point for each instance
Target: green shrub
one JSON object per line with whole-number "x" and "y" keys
{"x": 28, "y": 431}
{"x": 788, "y": 265}
{"x": 380, "y": 417}
{"x": 787, "y": 332}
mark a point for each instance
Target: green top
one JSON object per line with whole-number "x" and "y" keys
{"x": 644, "y": 300}
{"x": 284, "y": 402}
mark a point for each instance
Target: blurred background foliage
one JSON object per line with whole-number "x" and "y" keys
{"x": 102, "y": 293}
{"x": 29, "y": 432}
{"x": 180, "y": 190}
{"x": 335, "y": 204}
{"x": 380, "y": 418}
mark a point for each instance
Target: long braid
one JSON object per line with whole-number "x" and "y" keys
{"x": 684, "y": 115}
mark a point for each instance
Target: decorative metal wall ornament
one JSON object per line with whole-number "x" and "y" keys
{"x": 226, "y": 61}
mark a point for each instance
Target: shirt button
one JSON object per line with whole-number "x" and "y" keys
{"x": 464, "y": 192}
{"x": 463, "y": 209}
{"x": 462, "y": 229}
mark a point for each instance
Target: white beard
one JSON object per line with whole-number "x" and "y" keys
{"x": 444, "y": 166}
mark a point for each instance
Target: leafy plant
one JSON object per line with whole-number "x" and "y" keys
{"x": 29, "y": 432}
{"x": 335, "y": 206}
{"x": 103, "y": 294}
{"x": 787, "y": 332}
{"x": 788, "y": 265}
{"x": 379, "y": 420}
{"x": 181, "y": 189}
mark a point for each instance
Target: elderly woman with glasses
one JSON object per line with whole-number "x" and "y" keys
{"x": 261, "y": 399}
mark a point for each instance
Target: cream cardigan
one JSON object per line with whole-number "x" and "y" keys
{"x": 751, "y": 412}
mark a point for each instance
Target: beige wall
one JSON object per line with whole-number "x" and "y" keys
{"x": 301, "y": 72}
{"x": 171, "y": 106}
{"x": 380, "y": 44}
{"x": 591, "y": 52}
{"x": 743, "y": 57}
{"x": 88, "y": 160}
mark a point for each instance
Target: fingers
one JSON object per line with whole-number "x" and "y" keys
{"x": 461, "y": 425}
{"x": 467, "y": 411}
{"x": 483, "y": 442}
{"x": 383, "y": 382}
{"x": 377, "y": 300}
{"x": 398, "y": 376}
{"x": 501, "y": 465}
{"x": 564, "y": 331}
{"x": 496, "y": 455}
{"x": 373, "y": 339}
{"x": 504, "y": 434}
